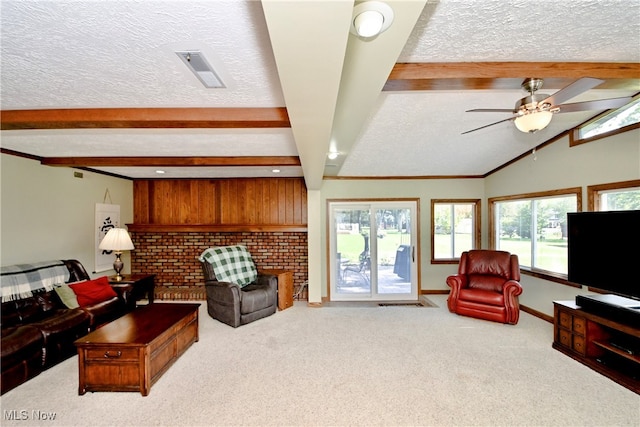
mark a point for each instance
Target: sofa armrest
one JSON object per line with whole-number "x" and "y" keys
{"x": 125, "y": 295}
{"x": 104, "y": 312}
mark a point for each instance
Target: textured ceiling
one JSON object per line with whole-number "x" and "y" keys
{"x": 121, "y": 54}
{"x": 298, "y": 55}
{"x": 526, "y": 30}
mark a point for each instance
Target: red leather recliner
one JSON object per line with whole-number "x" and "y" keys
{"x": 486, "y": 286}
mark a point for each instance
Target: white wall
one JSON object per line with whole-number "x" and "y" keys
{"x": 47, "y": 213}
{"x": 558, "y": 166}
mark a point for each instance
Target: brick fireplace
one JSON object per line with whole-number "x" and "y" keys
{"x": 175, "y": 220}
{"x": 172, "y": 257}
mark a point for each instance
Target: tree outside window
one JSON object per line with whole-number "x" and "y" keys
{"x": 455, "y": 228}
{"x": 535, "y": 229}
{"x": 622, "y": 200}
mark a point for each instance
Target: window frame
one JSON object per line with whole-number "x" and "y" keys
{"x": 594, "y": 191}
{"x": 477, "y": 221}
{"x": 575, "y": 138}
{"x": 532, "y": 271}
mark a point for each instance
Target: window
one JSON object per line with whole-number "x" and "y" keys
{"x": 618, "y": 196}
{"x": 455, "y": 228}
{"x": 624, "y": 118}
{"x": 534, "y": 227}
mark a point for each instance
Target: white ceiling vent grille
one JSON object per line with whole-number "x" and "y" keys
{"x": 199, "y": 66}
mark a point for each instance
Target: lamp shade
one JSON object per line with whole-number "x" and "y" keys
{"x": 534, "y": 121}
{"x": 117, "y": 239}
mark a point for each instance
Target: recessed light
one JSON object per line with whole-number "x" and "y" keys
{"x": 371, "y": 18}
{"x": 159, "y": 172}
{"x": 333, "y": 155}
{"x": 275, "y": 170}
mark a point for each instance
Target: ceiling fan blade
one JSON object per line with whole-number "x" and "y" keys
{"x": 490, "y": 110}
{"x": 573, "y": 90}
{"x": 598, "y": 104}
{"x": 491, "y": 124}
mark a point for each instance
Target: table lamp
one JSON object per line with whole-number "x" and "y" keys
{"x": 117, "y": 240}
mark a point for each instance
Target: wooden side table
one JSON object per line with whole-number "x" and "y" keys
{"x": 143, "y": 285}
{"x": 285, "y": 287}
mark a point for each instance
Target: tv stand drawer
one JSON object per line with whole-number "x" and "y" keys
{"x": 594, "y": 341}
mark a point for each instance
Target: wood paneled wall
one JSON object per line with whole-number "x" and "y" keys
{"x": 221, "y": 202}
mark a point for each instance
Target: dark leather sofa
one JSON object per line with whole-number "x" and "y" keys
{"x": 38, "y": 331}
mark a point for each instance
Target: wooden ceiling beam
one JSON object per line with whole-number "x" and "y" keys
{"x": 508, "y": 75}
{"x": 172, "y": 161}
{"x": 159, "y": 118}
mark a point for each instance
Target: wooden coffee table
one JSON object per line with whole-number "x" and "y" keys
{"x": 132, "y": 352}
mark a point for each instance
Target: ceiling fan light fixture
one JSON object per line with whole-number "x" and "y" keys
{"x": 533, "y": 121}
{"x": 371, "y": 18}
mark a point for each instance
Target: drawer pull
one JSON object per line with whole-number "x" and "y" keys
{"x": 108, "y": 355}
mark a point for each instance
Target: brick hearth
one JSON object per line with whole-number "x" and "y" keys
{"x": 172, "y": 257}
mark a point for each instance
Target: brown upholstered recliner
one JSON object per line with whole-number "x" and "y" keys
{"x": 243, "y": 296}
{"x": 486, "y": 286}
{"x": 235, "y": 306}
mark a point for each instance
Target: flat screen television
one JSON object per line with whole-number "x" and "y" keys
{"x": 604, "y": 251}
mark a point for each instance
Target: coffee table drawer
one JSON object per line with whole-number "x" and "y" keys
{"x": 110, "y": 353}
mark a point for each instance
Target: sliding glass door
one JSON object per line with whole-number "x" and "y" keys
{"x": 373, "y": 250}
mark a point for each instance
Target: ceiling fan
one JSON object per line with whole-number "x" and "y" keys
{"x": 534, "y": 112}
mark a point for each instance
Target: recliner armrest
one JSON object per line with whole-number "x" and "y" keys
{"x": 512, "y": 287}
{"x": 511, "y": 290}
{"x": 455, "y": 282}
{"x": 267, "y": 279}
{"x": 224, "y": 291}
{"x": 458, "y": 281}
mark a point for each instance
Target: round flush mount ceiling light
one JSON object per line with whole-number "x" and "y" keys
{"x": 371, "y": 18}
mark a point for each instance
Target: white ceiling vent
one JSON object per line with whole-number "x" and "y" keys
{"x": 199, "y": 66}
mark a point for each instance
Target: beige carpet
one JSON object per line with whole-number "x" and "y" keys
{"x": 338, "y": 366}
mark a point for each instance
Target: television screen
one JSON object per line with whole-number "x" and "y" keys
{"x": 604, "y": 250}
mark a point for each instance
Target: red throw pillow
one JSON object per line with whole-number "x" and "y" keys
{"x": 93, "y": 291}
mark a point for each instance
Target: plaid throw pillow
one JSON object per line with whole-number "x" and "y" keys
{"x": 231, "y": 264}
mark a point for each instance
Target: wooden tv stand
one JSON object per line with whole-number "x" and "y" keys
{"x": 606, "y": 346}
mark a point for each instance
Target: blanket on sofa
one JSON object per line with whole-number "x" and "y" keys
{"x": 22, "y": 280}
